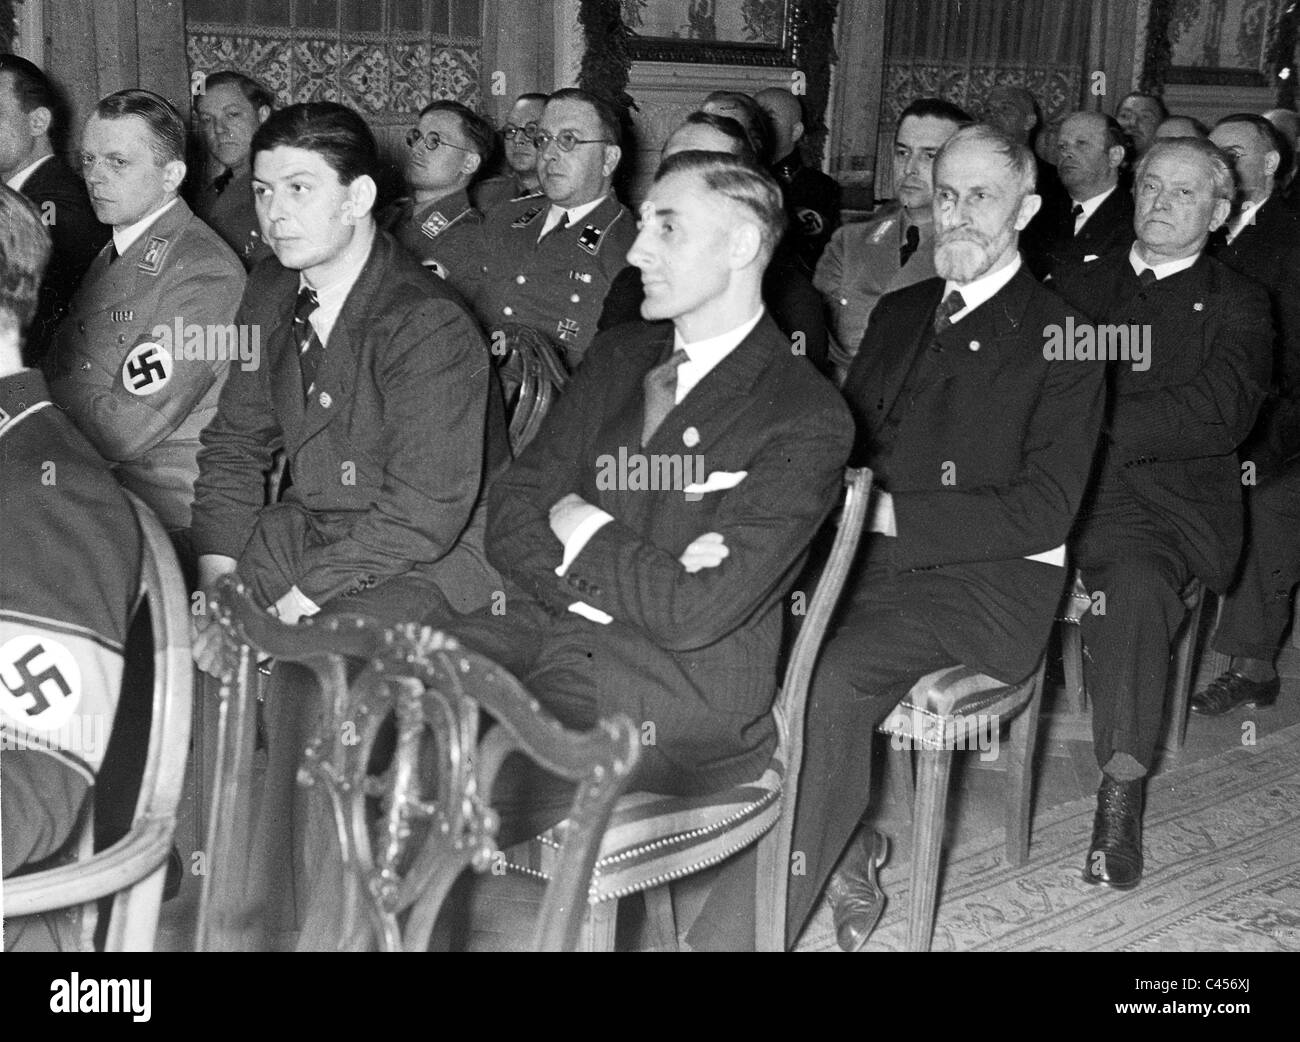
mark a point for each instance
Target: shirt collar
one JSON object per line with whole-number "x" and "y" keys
{"x": 1163, "y": 271}
{"x": 128, "y": 236}
{"x": 331, "y": 297}
{"x": 1091, "y": 206}
{"x": 575, "y": 213}
{"x": 19, "y": 179}
{"x": 1245, "y": 216}
{"x": 716, "y": 348}
{"x": 983, "y": 288}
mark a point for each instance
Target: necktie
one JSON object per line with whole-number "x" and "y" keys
{"x": 1076, "y": 211}
{"x": 112, "y": 252}
{"x": 221, "y": 180}
{"x": 951, "y": 304}
{"x": 559, "y": 226}
{"x": 660, "y": 394}
{"x": 1147, "y": 277}
{"x": 309, "y": 345}
{"x": 910, "y": 242}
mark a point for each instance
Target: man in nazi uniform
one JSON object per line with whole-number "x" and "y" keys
{"x": 70, "y": 558}
{"x": 139, "y": 360}
{"x": 551, "y": 259}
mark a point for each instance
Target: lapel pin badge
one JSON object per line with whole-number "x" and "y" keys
{"x": 691, "y": 437}
{"x": 974, "y": 345}
{"x": 325, "y": 400}
{"x": 1198, "y": 306}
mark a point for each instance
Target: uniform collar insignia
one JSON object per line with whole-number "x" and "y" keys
{"x": 589, "y": 240}
{"x": 434, "y": 224}
{"x": 154, "y": 252}
{"x": 526, "y": 218}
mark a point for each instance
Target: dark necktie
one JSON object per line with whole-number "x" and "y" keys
{"x": 1147, "y": 277}
{"x": 660, "y": 394}
{"x": 1076, "y": 211}
{"x": 221, "y": 180}
{"x": 309, "y": 345}
{"x": 951, "y": 304}
{"x": 558, "y": 227}
{"x": 910, "y": 242}
{"x": 112, "y": 251}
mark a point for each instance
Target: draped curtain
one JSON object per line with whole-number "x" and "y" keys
{"x": 959, "y": 50}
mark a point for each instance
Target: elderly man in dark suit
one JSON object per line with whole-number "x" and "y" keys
{"x": 29, "y": 106}
{"x": 663, "y": 601}
{"x": 966, "y": 564}
{"x": 1166, "y": 504}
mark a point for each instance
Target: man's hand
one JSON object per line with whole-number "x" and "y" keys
{"x": 567, "y": 514}
{"x": 708, "y": 551}
{"x": 882, "y": 515}
{"x": 206, "y": 638}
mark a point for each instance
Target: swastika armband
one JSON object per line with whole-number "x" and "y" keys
{"x": 147, "y": 369}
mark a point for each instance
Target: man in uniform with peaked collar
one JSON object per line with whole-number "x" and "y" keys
{"x": 812, "y": 198}
{"x": 140, "y": 357}
{"x": 551, "y": 259}
{"x": 895, "y": 248}
{"x": 520, "y": 155}
{"x": 665, "y": 603}
{"x": 29, "y": 106}
{"x": 1099, "y": 220}
{"x": 70, "y": 561}
{"x": 230, "y": 107}
{"x": 1166, "y": 503}
{"x": 966, "y": 561}
{"x": 436, "y": 222}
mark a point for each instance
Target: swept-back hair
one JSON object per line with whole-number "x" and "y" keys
{"x": 333, "y": 131}
{"x": 743, "y": 183}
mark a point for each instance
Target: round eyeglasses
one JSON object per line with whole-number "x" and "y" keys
{"x": 432, "y": 140}
{"x": 566, "y": 140}
{"x": 528, "y": 131}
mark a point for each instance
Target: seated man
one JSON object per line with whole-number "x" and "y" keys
{"x": 895, "y": 248}
{"x": 436, "y": 222}
{"x": 665, "y": 603}
{"x": 141, "y": 356}
{"x": 966, "y": 563}
{"x": 520, "y": 156}
{"x": 550, "y": 260}
{"x": 789, "y": 295}
{"x": 1166, "y": 503}
{"x": 230, "y": 107}
{"x": 70, "y": 558}
{"x": 29, "y": 124}
{"x": 1141, "y": 115}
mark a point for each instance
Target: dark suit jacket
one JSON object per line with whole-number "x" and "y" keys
{"x": 1172, "y": 434}
{"x": 694, "y": 655}
{"x": 1108, "y": 230}
{"x": 1268, "y": 251}
{"x": 77, "y": 236}
{"x": 989, "y": 464}
{"x": 388, "y": 456}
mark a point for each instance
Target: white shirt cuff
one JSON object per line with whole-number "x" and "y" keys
{"x": 304, "y": 604}
{"x": 588, "y": 612}
{"x": 581, "y": 536}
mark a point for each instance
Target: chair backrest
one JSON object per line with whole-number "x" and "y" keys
{"x": 133, "y": 867}
{"x": 791, "y": 702}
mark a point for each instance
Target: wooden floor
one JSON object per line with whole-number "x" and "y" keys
{"x": 500, "y": 918}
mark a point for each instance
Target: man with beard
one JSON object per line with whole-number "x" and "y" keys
{"x": 1166, "y": 504}
{"x": 521, "y": 157}
{"x": 965, "y": 564}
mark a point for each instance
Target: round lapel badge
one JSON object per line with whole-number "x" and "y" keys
{"x": 146, "y": 369}
{"x": 690, "y": 437}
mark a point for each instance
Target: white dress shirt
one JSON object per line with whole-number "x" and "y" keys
{"x": 128, "y": 236}
{"x": 19, "y": 179}
{"x": 1163, "y": 271}
{"x": 331, "y": 298}
{"x": 556, "y": 214}
{"x": 1090, "y": 207}
{"x": 983, "y": 288}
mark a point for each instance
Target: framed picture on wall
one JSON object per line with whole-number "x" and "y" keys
{"x": 726, "y": 32}
{"x": 1222, "y": 42}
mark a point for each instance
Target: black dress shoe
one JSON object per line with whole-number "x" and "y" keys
{"x": 1115, "y": 854}
{"x": 1231, "y": 690}
{"x": 856, "y": 900}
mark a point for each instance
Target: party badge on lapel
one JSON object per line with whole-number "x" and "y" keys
{"x": 1198, "y": 306}
{"x": 690, "y": 437}
{"x": 154, "y": 252}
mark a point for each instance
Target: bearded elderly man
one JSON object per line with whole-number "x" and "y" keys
{"x": 966, "y": 561}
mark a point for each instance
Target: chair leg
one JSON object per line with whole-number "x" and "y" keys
{"x": 660, "y": 918}
{"x": 1076, "y": 695}
{"x": 1184, "y": 666}
{"x": 900, "y": 773}
{"x": 1020, "y": 775}
{"x": 598, "y": 927}
{"x": 927, "y": 843}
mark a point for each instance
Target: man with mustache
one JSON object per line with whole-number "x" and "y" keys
{"x": 965, "y": 564}
{"x": 550, "y": 260}
{"x": 895, "y": 248}
{"x": 1166, "y": 505}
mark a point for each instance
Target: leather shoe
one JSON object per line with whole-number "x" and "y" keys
{"x": 856, "y": 900}
{"x": 1231, "y": 690}
{"x": 1115, "y": 854}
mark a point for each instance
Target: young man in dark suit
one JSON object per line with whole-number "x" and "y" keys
{"x": 663, "y": 600}
{"x": 29, "y": 106}
{"x": 1166, "y": 502}
{"x": 966, "y": 564}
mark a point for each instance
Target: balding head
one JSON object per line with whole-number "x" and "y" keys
{"x": 785, "y": 115}
{"x": 1180, "y": 126}
{"x": 1013, "y": 111}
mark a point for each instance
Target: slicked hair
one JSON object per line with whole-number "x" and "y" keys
{"x": 728, "y": 127}
{"x": 1018, "y": 156}
{"x": 256, "y": 94}
{"x": 746, "y": 184}
{"x": 606, "y": 114}
{"x": 936, "y": 108}
{"x": 24, "y": 253}
{"x": 1223, "y": 181}
{"x": 1271, "y": 136}
{"x": 477, "y": 131}
{"x": 31, "y": 86}
{"x": 166, "y": 128}
{"x": 333, "y": 131}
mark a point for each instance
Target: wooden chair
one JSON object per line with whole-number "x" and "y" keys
{"x": 935, "y": 719}
{"x": 434, "y": 819}
{"x": 132, "y": 869}
{"x": 532, "y": 361}
{"x": 653, "y": 840}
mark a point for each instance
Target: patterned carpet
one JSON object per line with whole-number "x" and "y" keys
{"x": 1222, "y": 872}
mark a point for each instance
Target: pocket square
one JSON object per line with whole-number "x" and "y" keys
{"x": 1088, "y": 258}
{"x": 716, "y": 482}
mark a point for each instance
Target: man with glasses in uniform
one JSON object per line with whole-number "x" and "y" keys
{"x": 521, "y": 157}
